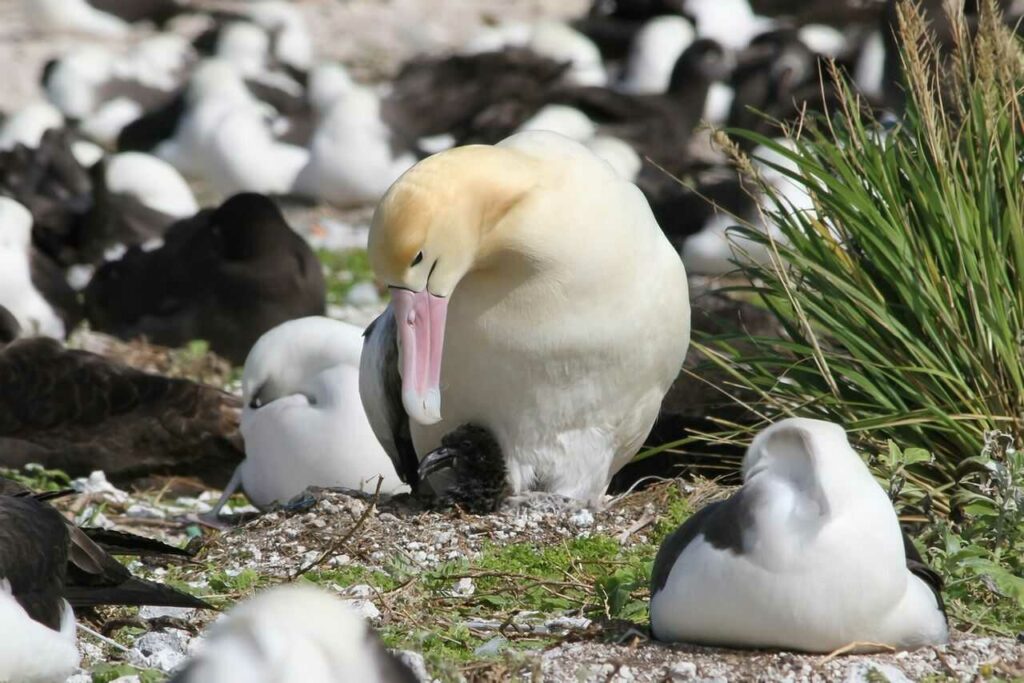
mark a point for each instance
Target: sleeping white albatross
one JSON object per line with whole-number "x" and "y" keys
{"x": 534, "y": 300}
{"x": 807, "y": 555}
{"x": 302, "y": 420}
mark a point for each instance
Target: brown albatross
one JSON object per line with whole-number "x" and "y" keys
{"x": 78, "y": 412}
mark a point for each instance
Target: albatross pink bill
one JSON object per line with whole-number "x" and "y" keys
{"x": 420, "y": 317}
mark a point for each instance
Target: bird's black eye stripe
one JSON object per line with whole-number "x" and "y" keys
{"x": 416, "y": 261}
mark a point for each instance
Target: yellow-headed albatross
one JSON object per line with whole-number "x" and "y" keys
{"x": 807, "y": 555}
{"x": 534, "y": 298}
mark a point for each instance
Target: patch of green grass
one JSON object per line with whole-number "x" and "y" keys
{"x": 37, "y": 478}
{"x": 592, "y": 575}
{"x": 353, "y": 575}
{"x": 676, "y": 510}
{"x": 343, "y": 270}
{"x": 902, "y": 294}
{"x": 245, "y": 581}
{"x": 105, "y": 673}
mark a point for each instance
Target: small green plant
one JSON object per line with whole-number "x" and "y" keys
{"x": 343, "y": 270}
{"x": 105, "y": 673}
{"x": 981, "y": 550}
{"x": 37, "y": 477}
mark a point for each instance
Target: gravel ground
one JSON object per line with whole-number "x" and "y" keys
{"x": 333, "y": 530}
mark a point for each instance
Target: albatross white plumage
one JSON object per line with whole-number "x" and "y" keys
{"x": 32, "y": 652}
{"x": 537, "y": 298}
{"x": 302, "y": 421}
{"x": 807, "y": 555}
{"x": 293, "y": 634}
{"x": 18, "y": 293}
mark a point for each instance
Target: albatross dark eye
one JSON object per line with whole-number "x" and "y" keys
{"x": 416, "y": 261}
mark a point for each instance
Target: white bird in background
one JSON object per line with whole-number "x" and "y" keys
{"x": 245, "y": 46}
{"x": 327, "y": 82}
{"x": 244, "y": 156}
{"x": 731, "y": 22}
{"x": 293, "y": 44}
{"x": 353, "y": 158}
{"x": 555, "y": 40}
{"x": 215, "y": 92}
{"x": 27, "y": 125}
{"x": 655, "y": 50}
{"x": 73, "y": 83}
{"x": 17, "y": 292}
{"x": 561, "y": 119}
{"x": 152, "y": 182}
{"x": 713, "y": 250}
{"x": 562, "y": 43}
{"x": 294, "y": 633}
{"x": 807, "y": 555}
{"x": 75, "y": 16}
{"x": 303, "y": 421}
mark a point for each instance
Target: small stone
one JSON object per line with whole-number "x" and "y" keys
{"x": 144, "y": 512}
{"x": 359, "y": 590}
{"x": 582, "y": 518}
{"x": 683, "y": 671}
{"x": 366, "y": 609}
{"x": 149, "y": 612}
{"x": 492, "y": 647}
{"x": 162, "y": 650}
{"x": 464, "y": 587}
{"x": 869, "y": 672}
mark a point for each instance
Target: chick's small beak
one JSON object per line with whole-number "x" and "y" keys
{"x": 420, "y": 317}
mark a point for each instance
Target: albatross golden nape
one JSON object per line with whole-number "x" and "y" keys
{"x": 534, "y": 297}
{"x": 807, "y": 555}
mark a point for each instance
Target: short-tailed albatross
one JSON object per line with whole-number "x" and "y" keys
{"x": 533, "y": 296}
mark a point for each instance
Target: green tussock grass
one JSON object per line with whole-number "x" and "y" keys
{"x": 901, "y": 297}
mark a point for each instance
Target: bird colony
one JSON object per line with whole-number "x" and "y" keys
{"x": 533, "y": 251}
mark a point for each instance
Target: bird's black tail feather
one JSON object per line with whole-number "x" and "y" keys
{"x": 135, "y": 592}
